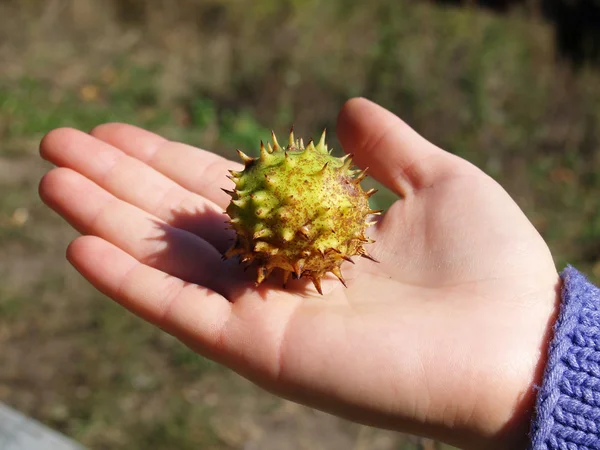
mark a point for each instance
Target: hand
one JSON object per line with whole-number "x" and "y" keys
{"x": 445, "y": 337}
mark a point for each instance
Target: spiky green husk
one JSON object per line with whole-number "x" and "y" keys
{"x": 299, "y": 209}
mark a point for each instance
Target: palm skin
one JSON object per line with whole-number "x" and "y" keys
{"x": 445, "y": 337}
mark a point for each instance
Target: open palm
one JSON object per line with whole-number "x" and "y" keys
{"x": 444, "y": 337}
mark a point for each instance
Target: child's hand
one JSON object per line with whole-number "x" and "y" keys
{"x": 445, "y": 337}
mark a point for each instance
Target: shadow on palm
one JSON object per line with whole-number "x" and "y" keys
{"x": 235, "y": 279}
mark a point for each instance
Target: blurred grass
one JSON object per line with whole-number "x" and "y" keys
{"x": 220, "y": 74}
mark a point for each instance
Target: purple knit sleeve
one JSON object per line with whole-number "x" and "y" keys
{"x": 567, "y": 412}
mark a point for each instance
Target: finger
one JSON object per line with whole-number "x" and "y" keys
{"x": 196, "y": 170}
{"x": 135, "y": 182}
{"x": 92, "y": 210}
{"x": 188, "y": 311}
{"x": 396, "y": 155}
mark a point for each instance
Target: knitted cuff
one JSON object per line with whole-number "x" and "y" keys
{"x": 568, "y": 403}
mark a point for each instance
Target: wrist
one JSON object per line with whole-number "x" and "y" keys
{"x": 515, "y": 363}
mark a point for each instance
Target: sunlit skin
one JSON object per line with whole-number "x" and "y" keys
{"x": 445, "y": 337}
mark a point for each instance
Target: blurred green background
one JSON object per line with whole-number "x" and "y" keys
{"x": 219, "y": 74}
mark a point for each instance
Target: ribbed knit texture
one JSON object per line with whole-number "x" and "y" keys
{"x": 568, "y": 403}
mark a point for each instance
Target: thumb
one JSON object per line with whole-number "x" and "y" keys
{"x": 397, "y": 156}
